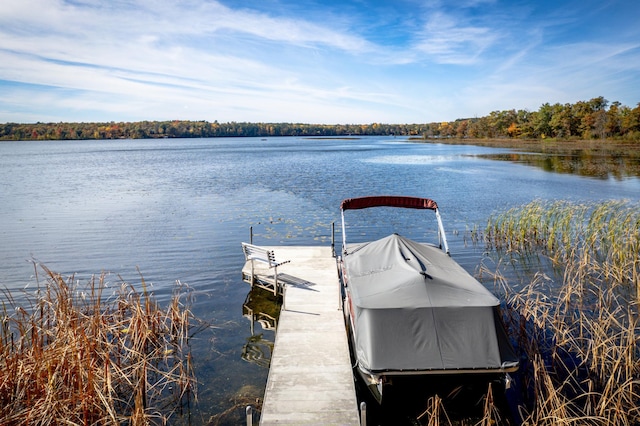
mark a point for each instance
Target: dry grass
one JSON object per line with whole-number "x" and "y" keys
{"x": 71, "y": 354}
{"x": 490, "y": 414}
{"x": 435, "y": 414}
{"x": 597, "y": 243}
{"x": 579, "y": 335}
{"x": 555, "y": 146}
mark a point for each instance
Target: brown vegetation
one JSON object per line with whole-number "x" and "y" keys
{"x": 579, "y": 337}
{"x": 72, "y": 354}
{"x": 616, "y": 159}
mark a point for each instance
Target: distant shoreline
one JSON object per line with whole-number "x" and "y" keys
{"x": 605, "y": 147}
{"x": 548, "y": 145}
{"x": 596, "y": 119}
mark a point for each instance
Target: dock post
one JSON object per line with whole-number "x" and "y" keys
{"x": 284, "y": 298}
{"x": 333, "y": 239}
{"x": 363, "y": 413}
{"x": 340, "y": 307}
{"x": 338, "y": 263}
{"x": 249, "y": 412}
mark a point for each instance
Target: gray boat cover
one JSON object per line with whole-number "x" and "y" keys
{"x": 415, "y": 308}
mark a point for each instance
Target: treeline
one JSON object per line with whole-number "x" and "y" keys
{"x": 594, "y": 119}
{"x": 194, "y": 129}
{"x": 583, "y": 120}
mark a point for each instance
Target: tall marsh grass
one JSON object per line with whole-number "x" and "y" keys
{"x": 578, "y": 334}
{"x": 596, "y": 242}
{"x": 73, "y": 354}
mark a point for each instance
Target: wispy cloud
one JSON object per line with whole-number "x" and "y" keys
{"x": 448, "y": 40}
{"x": 354, "y": 60}
{"x": 139, "y": 52}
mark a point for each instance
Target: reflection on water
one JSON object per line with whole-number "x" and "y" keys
{"x": 577, "y": 162}
{"x": 258, "y": 350}
{"x": 461, "y": 398}
{"x": 263, "y": 308}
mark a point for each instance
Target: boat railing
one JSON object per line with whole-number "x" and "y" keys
{"x": 393, "y": 201}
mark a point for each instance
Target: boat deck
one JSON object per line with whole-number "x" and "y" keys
{"x": 310, "y": 377}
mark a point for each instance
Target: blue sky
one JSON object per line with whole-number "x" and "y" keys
{"x": 335, "y": 61}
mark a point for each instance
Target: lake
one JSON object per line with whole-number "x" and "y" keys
{"x": 177, "y": 210}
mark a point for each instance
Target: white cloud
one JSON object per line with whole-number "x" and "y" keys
{"x": 450, "y": 41}
{"x": 152, "y": 59}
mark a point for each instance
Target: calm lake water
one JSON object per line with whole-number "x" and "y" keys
{"x": 178, "y": 209}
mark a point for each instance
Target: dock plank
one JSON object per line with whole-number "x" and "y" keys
{"x": 310, "y": 377}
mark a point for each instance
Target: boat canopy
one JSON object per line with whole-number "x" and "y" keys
{"x": 392, "y": 201}
{"x": 388, "y": 201}
{"x": 415, "y": 309}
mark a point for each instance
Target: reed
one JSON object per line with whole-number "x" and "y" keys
{"x": 435, "y": 414}
{"x": 596, "y": 241}
{"x": 578, "y": 333}
{"x": 71, "y": 354}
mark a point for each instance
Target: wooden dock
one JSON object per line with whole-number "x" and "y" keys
{"x": 310, "y": 377}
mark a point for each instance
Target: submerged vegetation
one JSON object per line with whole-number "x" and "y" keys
{"x": 73, "y": 354}
{"x": 578, "y": 333}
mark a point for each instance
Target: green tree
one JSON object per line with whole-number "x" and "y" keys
{"x": 541, "y": 121}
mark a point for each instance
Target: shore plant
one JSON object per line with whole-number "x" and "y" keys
{"x": 597, "y": 242}
{"x": 89, "y": 354}
{"x": 577, "y": 332}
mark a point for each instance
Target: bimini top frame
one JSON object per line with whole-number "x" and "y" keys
{"x": 392, "y": 201}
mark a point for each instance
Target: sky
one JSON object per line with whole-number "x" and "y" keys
{"x": 311, "y": 61}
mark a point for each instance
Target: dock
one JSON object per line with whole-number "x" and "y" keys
{"x": 310, "y": 378}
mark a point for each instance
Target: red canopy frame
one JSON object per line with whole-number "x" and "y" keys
{"x": 392, "y": 201}
{"x": 388, "y": 201}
